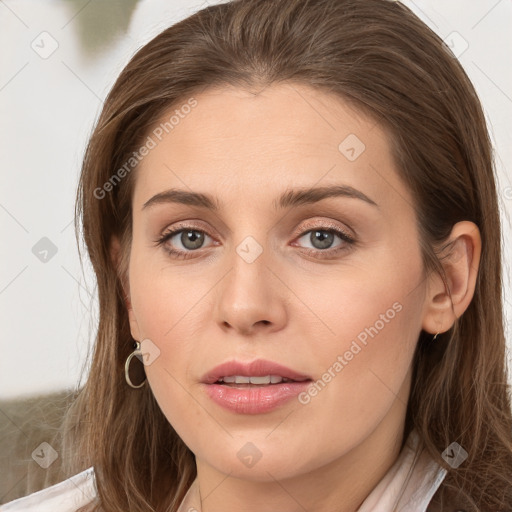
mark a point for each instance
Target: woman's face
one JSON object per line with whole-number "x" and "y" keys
{"x": 331, "y": 287}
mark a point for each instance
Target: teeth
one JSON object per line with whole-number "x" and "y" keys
{"x": 242, "y": 379}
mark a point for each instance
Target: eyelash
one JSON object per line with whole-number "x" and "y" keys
{"x": 189, "y": 254}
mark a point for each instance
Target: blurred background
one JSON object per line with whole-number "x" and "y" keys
{"x": 58, "y": 60}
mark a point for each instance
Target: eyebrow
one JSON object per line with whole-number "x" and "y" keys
{"x": 290, "y": 198}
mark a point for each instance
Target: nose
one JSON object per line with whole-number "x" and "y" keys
{"x": 251, "y": 298}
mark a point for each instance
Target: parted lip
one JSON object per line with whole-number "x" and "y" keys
{"x": 256, "y": 368}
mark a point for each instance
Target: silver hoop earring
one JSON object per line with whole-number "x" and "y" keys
{"x": 137, "y": 352}
{"x": 435, "y": 336}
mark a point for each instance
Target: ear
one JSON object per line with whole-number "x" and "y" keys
{"x": 460, "y": 261}
{"x": 116, "y": 255}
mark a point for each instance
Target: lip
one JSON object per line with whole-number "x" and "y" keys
{"x": 256, "y": 368}
{"x": 253, "y": 400}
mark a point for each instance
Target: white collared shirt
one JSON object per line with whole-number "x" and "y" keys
{"x": 387, "y": 496}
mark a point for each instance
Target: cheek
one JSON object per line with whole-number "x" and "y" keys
{"x": 363, "y": 346}
{"x": 169, "y": 317}
{"x": 171, "y": 309}
{"x": 167, "y": 311}
{"x": 375, "y": 301}
{"x": 373, "y": 317}
{"x": 165, "y": 297}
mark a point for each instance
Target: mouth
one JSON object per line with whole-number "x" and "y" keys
{"x": 257, "y": 387}
{"x": 243, "y": 381}
{"x": 259, "y": 372}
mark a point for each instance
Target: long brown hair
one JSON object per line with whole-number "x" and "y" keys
{"x": 378, "y": 56}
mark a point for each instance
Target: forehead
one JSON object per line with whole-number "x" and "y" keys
{"x": 235, "y": 142}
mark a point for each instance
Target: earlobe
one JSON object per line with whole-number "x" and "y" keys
{"x": 447, "y": 301}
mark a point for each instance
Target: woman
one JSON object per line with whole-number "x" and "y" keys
{"x": 291, "y": 211}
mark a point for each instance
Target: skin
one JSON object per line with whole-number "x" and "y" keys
{"x": 299, "y": 309}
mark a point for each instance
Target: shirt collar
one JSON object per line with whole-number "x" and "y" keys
{"x": 401, "y": 492}
{"x": 396, "y": 491}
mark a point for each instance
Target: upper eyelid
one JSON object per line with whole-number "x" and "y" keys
{"x": 189, "y": 225}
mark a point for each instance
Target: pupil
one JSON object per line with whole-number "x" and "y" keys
{"x": 323, "y": 238}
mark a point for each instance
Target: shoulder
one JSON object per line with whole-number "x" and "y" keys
{"x": 66, "y": 496}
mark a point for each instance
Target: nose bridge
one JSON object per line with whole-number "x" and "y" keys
{"x": 249, "y": 238}
{"x": 249, "y": 295}
{"x": 249, "y": 273}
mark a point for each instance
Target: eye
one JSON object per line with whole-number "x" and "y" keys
{"x": 190, "y": 238}
{"x": 322, "y": 239}
{"x": 193, "y": 239}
